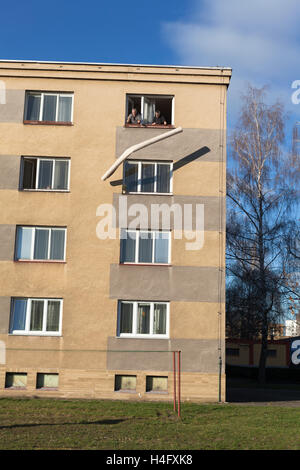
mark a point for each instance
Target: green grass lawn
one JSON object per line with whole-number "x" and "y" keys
{"x": 91, "y": 424}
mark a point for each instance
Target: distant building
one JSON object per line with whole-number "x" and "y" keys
{"x": 240, "y": 352}
{"x": 292, "y": 328}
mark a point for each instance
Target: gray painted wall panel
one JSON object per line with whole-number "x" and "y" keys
{"x": 9, "y": 171}
{"x": 198, "y": 355}
{"x": 13, "y": 108}
{"x": 212, "y": 208}
{"x": 180, "y": 283}
{"x": 4, "y": 314}
{"x": 7, "y": 242}
{"x": 199, "y": 144}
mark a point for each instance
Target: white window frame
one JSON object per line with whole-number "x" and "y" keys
{"x": 33, "y": 230}
{"x": 134, "y": 333}
{"x": 145, "y": 95}
{"x": 43, "y": 94}
{"x": 139, "y": 182}
{"x": 137, "y": 243}
{"x": 27, "y": 331}
{"x": 53, "y": 160}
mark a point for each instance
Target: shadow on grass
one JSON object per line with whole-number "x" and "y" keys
{"x": 244, "y": 390}
{"x": 103, "y": 421}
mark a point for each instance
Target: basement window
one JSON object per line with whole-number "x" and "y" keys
{"x": 125, "y": 383}
{"x": 45, "y": 174}
{"x": 156, "y": 384}
{"x": 47, "y": 381}
{"x": 48, "y": 107}
{"x": 147, "y": 105}
{"x": 15, "y": 380}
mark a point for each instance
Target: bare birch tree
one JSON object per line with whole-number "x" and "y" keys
{"x": 261, "y": 194}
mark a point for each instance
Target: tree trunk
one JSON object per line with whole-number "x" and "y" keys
{"x": 263, "y": 295}
{"x": 263, "y": 353}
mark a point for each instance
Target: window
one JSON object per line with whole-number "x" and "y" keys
{"x": 146, "y": 105}
{"x": 145, "y": 246}
{"x": 271, "y": 353}
{"x": 156, "y": 384}
{"x": 125, "y": 383}
{"x": 36, "y": 316}
{"x": 148, "y": 177}
{"x": 143, "y": 319}
{"x": 49, "y": 107}
{"x": 15, "y": 380}
{"x": 48, "y": 174}
{"x": 41, "y": 243}
{"x": 47, "y": 381}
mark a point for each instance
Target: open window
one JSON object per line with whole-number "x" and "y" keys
{"x": 147, "y": 105}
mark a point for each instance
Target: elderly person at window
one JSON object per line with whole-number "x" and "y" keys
{"x": 159, "y": 119}
{"x": 134, "y": 117}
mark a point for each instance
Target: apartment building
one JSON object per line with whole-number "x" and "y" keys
{"x": 94, "y": 298}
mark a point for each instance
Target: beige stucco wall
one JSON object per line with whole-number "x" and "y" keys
{"x": 92, "y": 143}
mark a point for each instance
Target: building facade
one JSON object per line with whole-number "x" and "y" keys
{"x": 292, "y": 327}
{"x": 246, "y": 353}
{"x": 94, "y": 298}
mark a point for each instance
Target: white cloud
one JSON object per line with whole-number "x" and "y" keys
{"x": 259, "y": 39}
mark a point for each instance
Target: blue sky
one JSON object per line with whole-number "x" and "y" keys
{"x": 260, "y": 40}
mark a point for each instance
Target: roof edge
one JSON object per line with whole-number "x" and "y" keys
{"x": 218, "y": 67}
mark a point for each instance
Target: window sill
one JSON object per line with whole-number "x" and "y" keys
{"x": 151, "y": 392}
{"x": 125, "y": 391}
{"x": 15, "y": 388}
{"x": 149, "y": 126}
{"x": 168, "y": 265}
{"x": 47, "y": 389}
{"x": 49, "y": 123}
{"x": 38, "y": 334}
{"x": 130, "y": 336}
{"x": 39, "y": 261}
{"x": 29, "y": 190}
{"x": 149, "y": 194}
